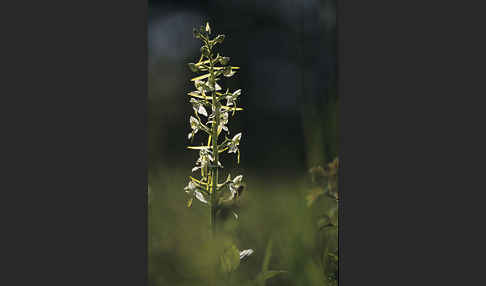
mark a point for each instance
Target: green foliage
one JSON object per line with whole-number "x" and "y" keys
{"x": 230, "y": 260}
{"x": 265, "y": 273}
{"x": 325, "y": 181}
{"x": 325, "y": 187}
{"x": 181, "y": 252}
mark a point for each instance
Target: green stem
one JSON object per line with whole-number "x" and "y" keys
{"x": 215, "y": 153}
{"x": 214, "y": 141}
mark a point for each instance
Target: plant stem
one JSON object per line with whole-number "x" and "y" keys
{"x": 215, "y": 153}
{"x": 214, "y": 139}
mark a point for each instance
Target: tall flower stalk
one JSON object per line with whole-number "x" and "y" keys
{"x": 212, "y": 108}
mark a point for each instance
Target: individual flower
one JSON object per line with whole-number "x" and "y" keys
{"x": 198, "y": 107}
{"x": 205, "y": 86}
{"x": 224, "y": 60}
{"x": 194, "y": 126}
{"x": 233, "y": 145}
{"x": 228, "y": 71}
{"x": 223, "y": 120}
{"x": 232, "y": 97}
{"x": 199, "y": 85}
{"x": 235, "y": 186}
{"x": 192, "y": 190}
{"x": 245, "y": 253}
{"x": 202, "y": 86}
{"x": 200, "y": 197}
{"x": 203, "y": 161}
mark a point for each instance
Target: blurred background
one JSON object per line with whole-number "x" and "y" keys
{"x": 287, "y": 53}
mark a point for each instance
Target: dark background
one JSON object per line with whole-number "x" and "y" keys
{"x": 287, "y": 54}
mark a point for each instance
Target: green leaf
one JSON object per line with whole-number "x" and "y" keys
{"x": 268, "y": 254}
{"x": 334, "y": 215}
{"x": 333, "y": 256}
{"x": 230, "y": 260}
{"x": 323, "y": 221}
{"x": 313, "y": 195}
{"x": 268, "y": 274}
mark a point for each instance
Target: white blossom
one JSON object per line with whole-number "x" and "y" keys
{"x": 231, "y": 99}
{"x": 204, "y": 159}
{"x": 194, "y": 126}
{"x": 198, "y": 107}
{"x": 233, "y": 145}
{"x": 245, "y": 253}
{"x": 200, "y": 197}
{"x": 192, "y": 190}
{"x": 190, "y": 187}
{"x": 234, "y": 185}
{"x": 223, "y": 121}
{"x": 229, "y": 74}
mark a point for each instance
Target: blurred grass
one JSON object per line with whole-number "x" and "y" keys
{"x": 272, "y": 208}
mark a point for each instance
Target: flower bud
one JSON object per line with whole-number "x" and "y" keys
{"x": 192, "y": 67}
{"x": 224, "y": 60}
{"x": 205, "y": 51}
{"x": 219, "y": 39}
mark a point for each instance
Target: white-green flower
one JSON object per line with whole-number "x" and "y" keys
{"x": 232, "y": 97}
{"x": 200, "y": 197}
{"x": 234, "y": 185}
{"x": 190, "y": 188}
{"x": 199, "y": 86}
{"x": 237, "y": 93}
{"x": 237, "y": 180}
{"x": 233, "y": 145}
{"x": 245, "y": 253}
{"x": 204, "y": 159}
{"x": 198, "y": 107}
{"x": 194, "y": 126}
{"x": 228, "y": 71}
{"x": 223, "y": 121}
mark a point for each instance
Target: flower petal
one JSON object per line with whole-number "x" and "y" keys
{"x": 200, "y": 197}
{"x": 202, "y": 110}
